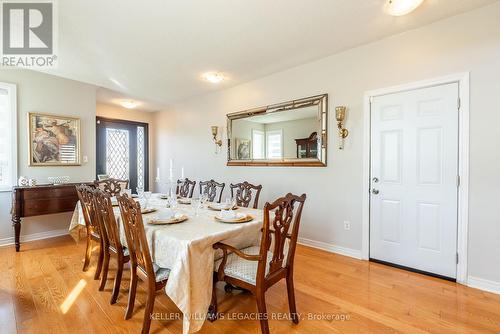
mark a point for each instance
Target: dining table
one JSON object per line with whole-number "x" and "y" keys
{"x": 186, "y": 249}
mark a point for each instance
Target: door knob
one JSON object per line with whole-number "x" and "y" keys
{"x": 375, "y": 191}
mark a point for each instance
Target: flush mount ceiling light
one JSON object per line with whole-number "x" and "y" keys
{"x": 129, "y": 104}
{"x": 401, "y": 7}
{"x": 213, "y": 77}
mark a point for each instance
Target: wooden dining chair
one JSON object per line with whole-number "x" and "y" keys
{"x": 110, "y": 241}
{"x": 256, "y": 268}
{"x": 210, "y": 189}
{"x": 86, "y": 197}
{"x": 185, "y": 188}
{"x": 243, "y": 192}
{"x": 112, "y": 186}
{"x": 142, "y": 266}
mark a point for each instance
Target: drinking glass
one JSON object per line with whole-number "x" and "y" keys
{"x": 173, "y": 204}
{"x": 230, "y": 202}
{"x": 196, "y": 204}
{"x": 204, "y": 199}
{"x": 140, "y": 191}
{"x": 147, "y": 196}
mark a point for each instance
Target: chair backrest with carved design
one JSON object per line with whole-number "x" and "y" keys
{"x": 104, "y": 210}
{"x": 281, "y": 222}
{"x": 243, "y": 192}
{"x": 86, "y": 197}
{"x": 113, "y": 187}
{"x": 137, "y": 243}
{"x": 210, "y": 188}
{"x": 185, "y": 188}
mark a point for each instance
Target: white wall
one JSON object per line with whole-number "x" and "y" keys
{"x": 38, "y": 92}
{"x": 469, "y": 42}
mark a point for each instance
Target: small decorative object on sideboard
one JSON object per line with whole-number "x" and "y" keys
{"x": 58, "y": 179}
{"x": 343, "y": 133}
{"x": 22, "y": 181}
{"x": 32, "y": 182}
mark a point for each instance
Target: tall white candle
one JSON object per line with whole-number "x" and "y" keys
{"x": 171, "y": 164}
{"x": 157, "y": 173}
{"x": 182, "y": 172}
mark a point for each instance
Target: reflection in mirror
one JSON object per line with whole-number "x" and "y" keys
{"x": 291, "y": 133}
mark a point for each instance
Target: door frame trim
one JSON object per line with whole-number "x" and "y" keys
{"x": 463, "y": 162}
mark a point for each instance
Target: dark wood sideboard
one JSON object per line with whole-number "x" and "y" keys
{"x": 41, "y": 200}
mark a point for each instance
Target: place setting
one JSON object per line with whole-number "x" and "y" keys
{"x": 166, "y": 217}
{"x": 233, "y": 217}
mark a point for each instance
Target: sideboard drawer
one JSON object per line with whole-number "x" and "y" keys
{"x": 54, "y": 192}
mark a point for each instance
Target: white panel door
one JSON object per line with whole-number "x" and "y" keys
{"x": 414, "y": 168}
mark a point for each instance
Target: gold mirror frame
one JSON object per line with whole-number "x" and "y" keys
{"x": 319, "y": 100}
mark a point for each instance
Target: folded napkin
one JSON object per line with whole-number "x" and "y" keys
{"x": 231, "y": 214}
{"x": 221, "y": 206}
{"x": 167, "y": 214}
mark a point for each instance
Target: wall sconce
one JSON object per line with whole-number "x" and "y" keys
{"x": 218, "y": 142}
{"x": 343, "y": 133}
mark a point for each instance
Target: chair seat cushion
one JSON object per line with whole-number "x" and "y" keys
{"x": 242, "y": 269}
{"x": 161, "y": 274}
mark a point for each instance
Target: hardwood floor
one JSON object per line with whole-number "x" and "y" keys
{"x": 43, "y": 290}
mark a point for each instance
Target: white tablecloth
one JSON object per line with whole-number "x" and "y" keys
{"x": 186, "y": 249}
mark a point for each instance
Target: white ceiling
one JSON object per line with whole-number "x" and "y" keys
{"x": 155, "y": 50}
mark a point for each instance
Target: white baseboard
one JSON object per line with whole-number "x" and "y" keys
{"x": 483, "y": 284}
{"x": 35, "y": 236}
{"x": 355, "y": 253}
{"x": 473, "y": 282}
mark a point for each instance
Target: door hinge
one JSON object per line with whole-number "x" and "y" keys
{"x": 457, "y": 258}
{"x": 459, "y": 103}
{"x": 458, "y": 180}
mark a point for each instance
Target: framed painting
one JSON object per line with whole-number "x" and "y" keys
{"x": 243, "y": 148}
{"x": 53, "y": 140}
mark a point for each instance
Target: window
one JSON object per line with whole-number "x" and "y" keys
{"x": 8, "y": 141}
{"x": 258, "y": 144}
{"x": 274, "y": 144}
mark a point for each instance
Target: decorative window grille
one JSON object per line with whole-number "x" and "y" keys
{"x": 117, "y": 161}
{"x": 140, "y": 156}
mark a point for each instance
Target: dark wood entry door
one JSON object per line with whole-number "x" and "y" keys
{"x": 122, "y": 151}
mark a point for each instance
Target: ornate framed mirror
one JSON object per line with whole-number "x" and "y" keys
{"x": 292, "y": 133}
